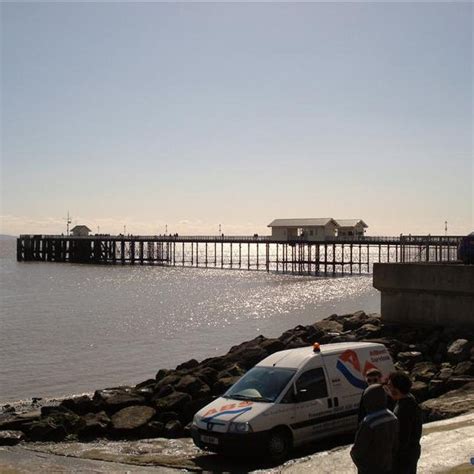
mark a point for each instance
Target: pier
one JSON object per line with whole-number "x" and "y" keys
{"x": 338, "y": 255}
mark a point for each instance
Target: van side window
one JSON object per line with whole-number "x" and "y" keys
{"x": 312, "y": 385}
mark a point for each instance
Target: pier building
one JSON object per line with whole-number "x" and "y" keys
{"x": 80, "y": 231}
{"x": 312, "y": 229}
{"x": 351, "y": 227}
{"x": 317, "y": 229}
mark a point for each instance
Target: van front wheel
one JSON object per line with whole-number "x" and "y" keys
{"x": 278, "y": 445}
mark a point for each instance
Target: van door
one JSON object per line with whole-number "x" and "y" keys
{"x": 345, "y": 374}
{"x": 311, "y": 404}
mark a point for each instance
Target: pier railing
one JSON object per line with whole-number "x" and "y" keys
{"x": 400, "y": 239}
{"x": 335, "y": 255}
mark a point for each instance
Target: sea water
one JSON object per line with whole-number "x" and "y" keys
{"x": 71, "y": 328}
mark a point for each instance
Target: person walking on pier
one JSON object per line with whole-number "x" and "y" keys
{"x": 409, "y": 418}
{"x": 376, "y": 441}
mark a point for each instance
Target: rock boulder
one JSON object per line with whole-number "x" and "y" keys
{"x": 272, "y": 345}
{"x": 153, "y": 429}
{"x": 356, "y": 320}
{"x": 368, "y": 330}
{"x": 146, "y": 383}
{"x": 10, "y": 438}
{"x": 247, "y": 357}
{"x": 17, "y": 422}
{"x": 424, "y": 371}
{"x": 173, "y": 429}
{"x": 445, "y": 373}
{"x": 95, "y": 425}
{"x": 420, "y": 391}
{"x": 175, "y": 401}
{"x": 189, "y": 384}
{"x": 410, "y": 358}
{"x": 190, "y": 364}
{"x": 459, "y": 351}
{"x": 328, "y": 326}
{"x": 223, "y": 385}
{"x": 464, "y": 368}
{"x": 450, "y": 404}
{"x": 161, "y": 374}
{"x": 171, "y": 379}
{"x": 80, "y": 405}
{"x": 207, "y": 374}
{"x": 112, "y": 400}
{"x": 131, "y": 418}
{"x": 52, "y": 428}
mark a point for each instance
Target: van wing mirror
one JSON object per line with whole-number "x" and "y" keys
{"x": 300, "y": 394}
{"x": 295, "y": 394}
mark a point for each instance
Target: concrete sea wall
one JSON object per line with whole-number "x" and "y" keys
{"x": 426, "y": 294}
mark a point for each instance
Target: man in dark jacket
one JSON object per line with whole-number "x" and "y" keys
{"x": 409, "y": 418}
{"x": 377, "y": 437}
{"x": 374, "y": 376}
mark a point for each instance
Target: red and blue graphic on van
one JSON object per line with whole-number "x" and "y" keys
{"x": 349, "y": 366}
{"x": 227, "y": 409}
{"x": 226, "y": 412}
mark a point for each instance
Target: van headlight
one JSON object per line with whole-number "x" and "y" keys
{"x": 195, "y": 420}
{"x": 239, "y": 428}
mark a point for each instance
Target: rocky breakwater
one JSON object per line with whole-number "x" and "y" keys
{"x": 439, "y": 360}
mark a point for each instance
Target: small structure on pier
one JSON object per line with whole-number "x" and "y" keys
{"x": 80, "y": 231}
{"x": 351, "y": 227}
{"x": 315, "y": 229}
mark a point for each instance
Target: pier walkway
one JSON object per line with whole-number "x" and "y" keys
{"x": 298, "y": 256}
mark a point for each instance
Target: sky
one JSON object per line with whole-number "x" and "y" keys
{"x": 186, "y": 116}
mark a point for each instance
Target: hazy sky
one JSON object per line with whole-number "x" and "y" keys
{"x": 195, "y": 115}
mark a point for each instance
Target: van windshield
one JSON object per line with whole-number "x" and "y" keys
{"x": 261, "y": 384}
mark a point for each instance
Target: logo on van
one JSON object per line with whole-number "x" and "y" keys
{"x": 228, "y": 409}
{"x": 349, "y": 366}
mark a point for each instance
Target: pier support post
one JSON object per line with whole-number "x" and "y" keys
{"x": 351, "y": 258}
{"x": 267, "y": 256}
{"x": 333, "y": 259}
{"x": 342, "y": 258}
{"x": 325, "y": 259}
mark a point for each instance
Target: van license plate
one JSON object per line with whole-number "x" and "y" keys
{"x": 209, "y": 439}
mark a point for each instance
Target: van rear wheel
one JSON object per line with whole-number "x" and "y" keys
{"x": 278, "y": 445}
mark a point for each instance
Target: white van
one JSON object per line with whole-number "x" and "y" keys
{"x": 290, "y": 398}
